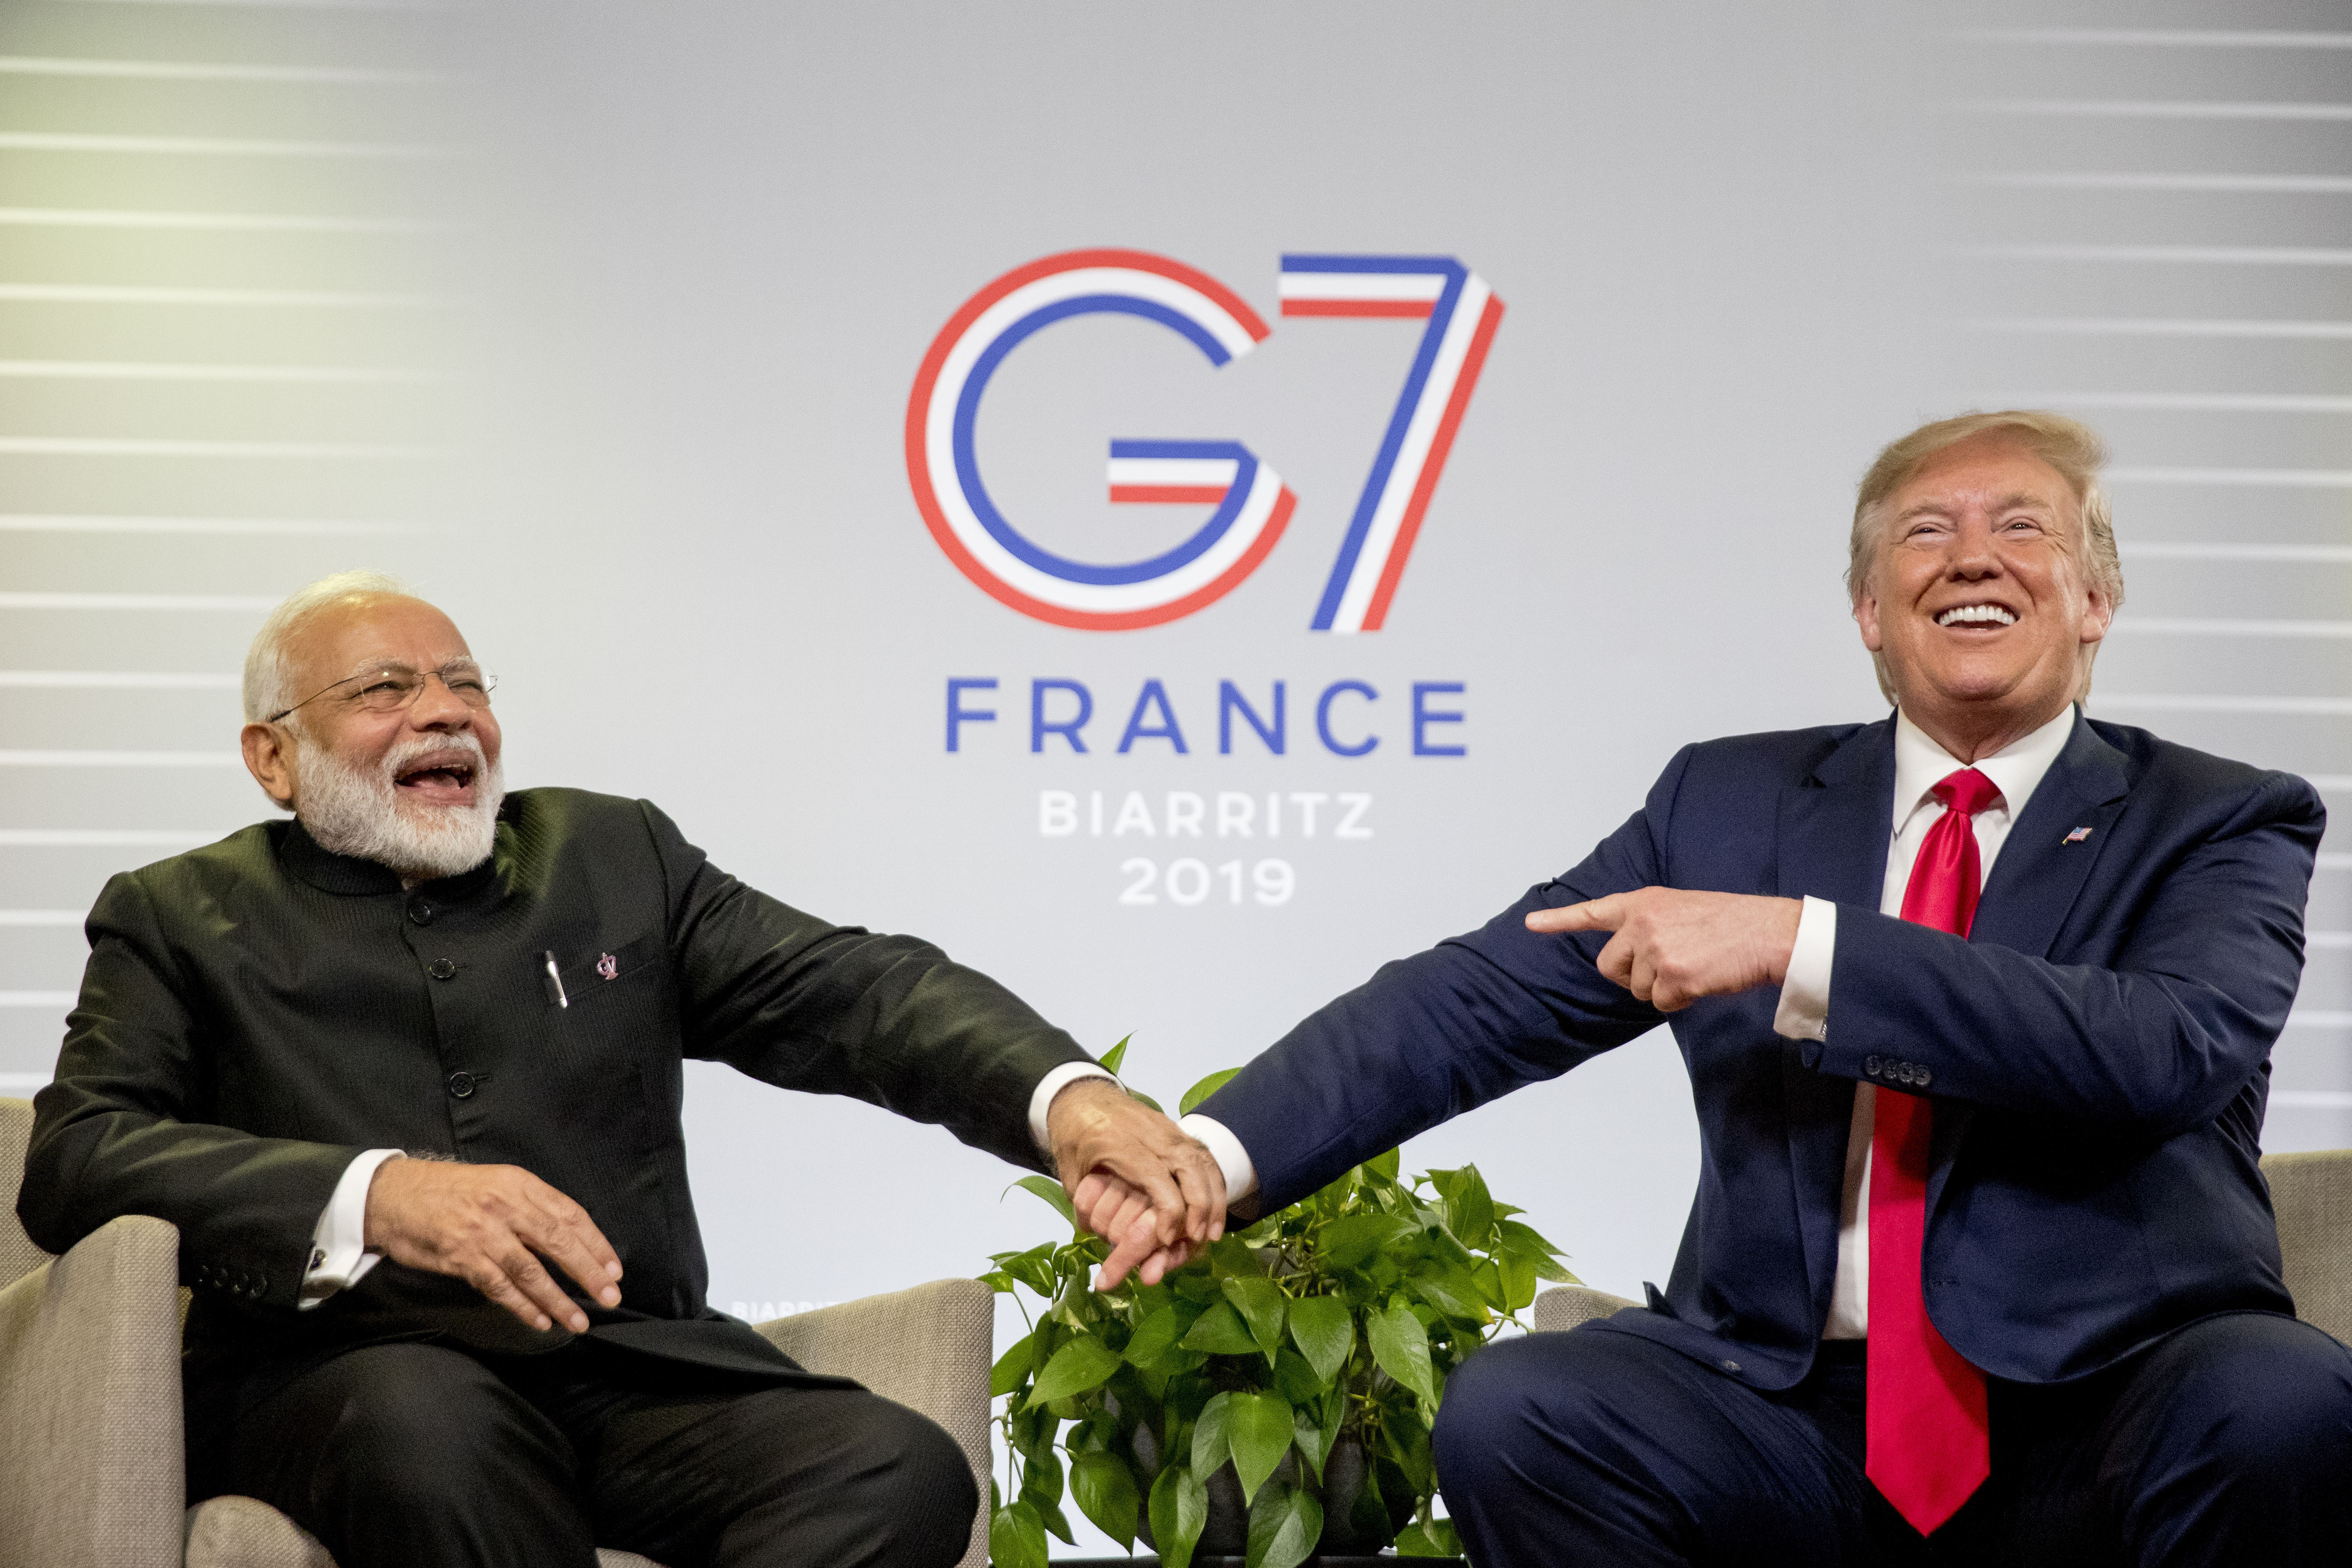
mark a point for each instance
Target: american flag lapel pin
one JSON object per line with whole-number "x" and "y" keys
{"x": 2078, "y": 836}
{"x": 608, "y": 967}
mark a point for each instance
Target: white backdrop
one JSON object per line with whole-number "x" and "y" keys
{"x": 600, "y": 321}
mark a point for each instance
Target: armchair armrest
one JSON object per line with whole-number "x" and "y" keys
{"x": 1563, "y": 1307}
{"x": 90, "y": 1457}
{"x": 927, "y": 1348}
{"x": 2312, "y": 1194}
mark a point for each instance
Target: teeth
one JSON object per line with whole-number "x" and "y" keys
{"x": 1976, "y": 614}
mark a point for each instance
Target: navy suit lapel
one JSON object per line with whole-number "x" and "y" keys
{"x": 1834, "y": 828}
{"x": 2039, "y": 874}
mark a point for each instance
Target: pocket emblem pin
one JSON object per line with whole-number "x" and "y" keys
{"x": 608, "y": 967}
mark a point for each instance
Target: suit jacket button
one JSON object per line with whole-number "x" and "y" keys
{"x": 442, "y": 968}
{"x": 420, "y": 911}
{"x": 1870, "y": 1066}
{"x": 1926, "y": 1078}
{"x": 461, "y": 1084}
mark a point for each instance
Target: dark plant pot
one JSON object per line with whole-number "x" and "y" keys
{"x": 1227, "y": 1532}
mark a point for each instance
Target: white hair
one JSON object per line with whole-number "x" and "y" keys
{"x": 266, "y": 667}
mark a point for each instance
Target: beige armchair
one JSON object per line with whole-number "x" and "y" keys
{"x": 2311, "y": 1192}
{"x": 91, "y": 1466}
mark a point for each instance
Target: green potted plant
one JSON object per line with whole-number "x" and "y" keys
{"x": 1274, "y": 1396}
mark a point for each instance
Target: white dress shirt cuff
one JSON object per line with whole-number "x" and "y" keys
{"x": 338, "y": 1254}
{"x": 1240, "y": 1176}
{"x": 1804, "y": 1010}
{"x": 1052, "y": 1084}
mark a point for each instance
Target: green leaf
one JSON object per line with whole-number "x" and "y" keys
{"x": 1051, "y": 1191}
{"x": 1081, "y": 1365}
{"x": 1400, "y": 1345}
{"x": 1111, "y": 1059}
{"x": 1384, "y": 1164}
{"x": 1451, "y": 1292}
{"x": 1325, "y": 1334}
{"x": 1158, "y": 1333}
{"x": 1295, "y": 1380}
{"x": 1034, "y": 1268}
{"x": 1351, "y": 1240}
{"x": 1518, "y": 1282}
{"x": 1202, "y": 1090}
{"x": 1104, "y": 1490}
{"x": 1314, "y": 1443}
{"x": 1013, "y": 1367}
{"x": 1219, "y": 1331}
{"x": 1260, "y": 1302}
{"x": 1229, "y": 1255}
{"x": 1284, "y": 1526}
{"x": 1470, "y": 1209}
{"x": 1430, "y": 1538}
{"x": 1211, "y": 1437}
{"x": 1521, "y": 1242}
{"x": 1017, "y": 1538}
{"x": 1259, "y": 1428}
{"x": 1180, "y": 1511}
{"x": 998, "y": 1280}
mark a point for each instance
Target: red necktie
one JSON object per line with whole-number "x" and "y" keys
{"x": 1926, "y": 1432}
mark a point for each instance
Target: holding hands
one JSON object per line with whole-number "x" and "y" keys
{"x": 1673, "y": 946}
{"x": 1135, "y": 1180}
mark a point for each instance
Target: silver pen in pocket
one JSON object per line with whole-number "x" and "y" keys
{"x": 555, "y": 982}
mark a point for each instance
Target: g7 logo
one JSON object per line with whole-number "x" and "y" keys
{"x": 1252, "y": 505}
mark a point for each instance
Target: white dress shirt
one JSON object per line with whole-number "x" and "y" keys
{"x": 1919, "y": 765}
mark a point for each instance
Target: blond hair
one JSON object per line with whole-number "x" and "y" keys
{"x": 2069, "y": 446}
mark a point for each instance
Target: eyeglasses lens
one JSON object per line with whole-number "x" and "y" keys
{"x": 392, "y": 688}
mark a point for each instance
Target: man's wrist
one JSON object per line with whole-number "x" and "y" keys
{"x": 1049, "y": 1088}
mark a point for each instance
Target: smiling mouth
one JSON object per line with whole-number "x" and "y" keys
{"x": 438, "y": 781}
{"x": 1985, "y": 617}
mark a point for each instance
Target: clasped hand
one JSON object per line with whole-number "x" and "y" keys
{"x": 490, "y": 1225}
{"x": 1674, "y": 946}
{"x": 1134, "y": 1179}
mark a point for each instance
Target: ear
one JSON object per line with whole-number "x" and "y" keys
{"x": 2098, "y": 614}
{"x": 1865, "y": 615}
{"x": 269, "y": 758}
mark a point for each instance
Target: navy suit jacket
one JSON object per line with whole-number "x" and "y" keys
{"x": 2097, "y": 1048}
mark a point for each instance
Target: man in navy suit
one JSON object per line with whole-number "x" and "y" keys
{"x": 1976, "y": 1003}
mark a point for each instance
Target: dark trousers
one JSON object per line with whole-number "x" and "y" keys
{"x": 2229, "y": 1443}
{"x": 421, "y": 1455}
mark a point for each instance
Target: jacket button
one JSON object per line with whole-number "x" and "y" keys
{"x": 1870, "y": 1066}
{"x": 420, "y": 911}
{"x": 442, "y": 968}
{"x": 1925, "y": 1077}
{"x": 461, "y": 1084}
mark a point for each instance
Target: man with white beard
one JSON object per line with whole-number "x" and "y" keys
{"x": 405, "y": 1072}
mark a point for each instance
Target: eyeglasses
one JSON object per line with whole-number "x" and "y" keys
{"x": 390, "y": 687}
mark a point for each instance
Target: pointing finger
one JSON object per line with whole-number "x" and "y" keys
{"x": 1593, "y": 914}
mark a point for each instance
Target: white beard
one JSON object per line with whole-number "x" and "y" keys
{"x": 360, "y": 812}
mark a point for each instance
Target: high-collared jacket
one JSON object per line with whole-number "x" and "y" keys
{"x": 256, "y": 1013}
{"x": 2097, "y": 1048}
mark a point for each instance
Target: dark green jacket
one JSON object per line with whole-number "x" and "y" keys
{"x": 256, "y": 1013}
